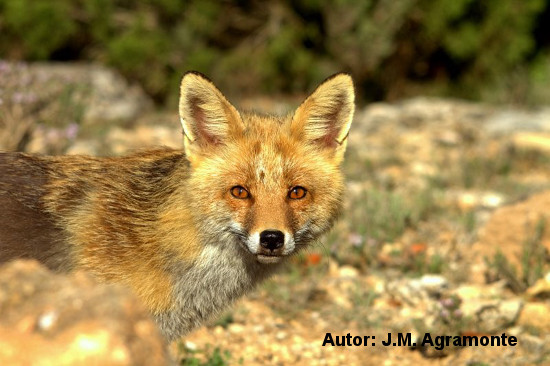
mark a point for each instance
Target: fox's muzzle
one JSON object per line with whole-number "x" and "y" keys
{"x": 272, "y": 240}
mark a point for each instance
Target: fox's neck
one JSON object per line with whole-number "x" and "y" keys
{"x": 221, "y": 274}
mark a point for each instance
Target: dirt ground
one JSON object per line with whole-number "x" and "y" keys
{"x": 445, "y": 232}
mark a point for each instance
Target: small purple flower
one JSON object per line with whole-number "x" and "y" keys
{"x": 444, "y": 313}
{"x": 447, "y": 302}
{"x": 71, "y": 131}
{"x": 457, "y": 313}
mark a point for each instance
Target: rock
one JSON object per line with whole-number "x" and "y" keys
{"x": 510, "y": 227}
{"x": 190, "y": 345}
{"x": 532, "y": 344}
{"x": 507, "y": 121}
{"x": 236, "y": 328}
{"x": 540, "y": 289}
{"x": 539, "y": 142}
{"x": 121, "y": 141}
{"x": 535, "y": 314}
{"x": 348, "y": 272}
{"x": 468, "y": 291}
{"x": 43, "y": 104}
{"x": 55, "y": 319}
{"x": 433, "y": 284}
{"x": 492, "y": 316}
{"x": 102, "y": 92}
{"x": 417, "y": 290}
{"x": 375, "y": 115}
{"x": 448, "y": 138}
{"x": 470, "y": 200}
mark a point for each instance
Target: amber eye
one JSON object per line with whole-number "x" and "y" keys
{"x": 297, "y": 193}
{"x": 239, "y": 192}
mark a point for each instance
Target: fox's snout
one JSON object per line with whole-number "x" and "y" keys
{"x": 271, "y": 240}
{"x": 270, "y": 245}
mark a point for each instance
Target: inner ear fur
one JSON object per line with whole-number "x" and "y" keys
{"x": 325, "y": 117}
{"x": 206, "y": 115}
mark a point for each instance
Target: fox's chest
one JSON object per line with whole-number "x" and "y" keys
{"x": 221, "y": 274}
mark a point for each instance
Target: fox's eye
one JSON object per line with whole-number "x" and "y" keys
{"x": 297, "y": 193}
{"x": 239, "y": 192}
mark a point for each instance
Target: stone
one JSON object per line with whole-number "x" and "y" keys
{"x": 470, "y": 200}
{"x": 540, "y": 289}
{"x": 535, "y": 314}
{"x": 510, "y": 227}
{"x": 55, "y": 319}
{"x": 348, "y": 272}
{"x": 468, "y": 291}
{"x": 492, "y": 316}
{"x": 506, "y": 121}
{"x": 532, "y": 141}
{"x": 121, "y": 141}
{"x": 103, "y": 93}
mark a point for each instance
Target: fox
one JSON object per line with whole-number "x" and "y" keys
{"x": 188, "y": 231}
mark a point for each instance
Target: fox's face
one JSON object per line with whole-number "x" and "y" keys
{"x": 272, "y": 183}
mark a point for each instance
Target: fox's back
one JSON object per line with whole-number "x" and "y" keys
{"x": 38, "y": 194}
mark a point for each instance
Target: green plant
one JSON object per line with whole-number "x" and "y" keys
{"x": 492, "y": 49}
{"x": 534, "y": 257}
{"x": 422, "y": 263}
{"x": 215, "y": 358}
{"x": 383, "y": 215}
{"x": 533, "y": 261}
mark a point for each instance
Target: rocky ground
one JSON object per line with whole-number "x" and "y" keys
{"x": 51, "y": 319}
{"x": 446, "y": 229}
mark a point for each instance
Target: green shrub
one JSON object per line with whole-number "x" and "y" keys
{"x": 470, "y": 48}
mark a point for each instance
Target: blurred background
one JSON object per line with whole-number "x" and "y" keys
{"x": 495, "y": 50}
{"x": 445, "y": 227}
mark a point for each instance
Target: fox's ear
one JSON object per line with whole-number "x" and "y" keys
{"x": 324, "y": 118}
{"x": 207, "y": 118}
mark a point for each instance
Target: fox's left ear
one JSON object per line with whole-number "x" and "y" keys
{"x": 325, "y": 117}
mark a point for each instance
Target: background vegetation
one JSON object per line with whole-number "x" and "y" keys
{"x": 492, "y": 49}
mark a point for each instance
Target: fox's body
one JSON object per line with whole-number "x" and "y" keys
{"x": 189, "y": 231}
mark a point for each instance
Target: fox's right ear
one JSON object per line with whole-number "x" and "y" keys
{"x": 207, "y": 118}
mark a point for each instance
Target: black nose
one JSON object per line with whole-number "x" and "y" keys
{"x": 272, "y": 239}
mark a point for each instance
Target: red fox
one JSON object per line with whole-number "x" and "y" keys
{"x": 188, "y": 231}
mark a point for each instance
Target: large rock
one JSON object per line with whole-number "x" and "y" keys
{"x": 511, "y": 227}
{"x": 44, "y": 104}
{"x": 101, "y": 92}
{"x": 52, "y": 319}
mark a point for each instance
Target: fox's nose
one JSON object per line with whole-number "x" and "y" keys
{"x": 272, "y": 239}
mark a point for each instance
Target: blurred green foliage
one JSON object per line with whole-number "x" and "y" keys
{"x": 491, "y": 49}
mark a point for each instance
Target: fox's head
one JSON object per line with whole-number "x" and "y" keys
{"x": 272, "y": 183}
